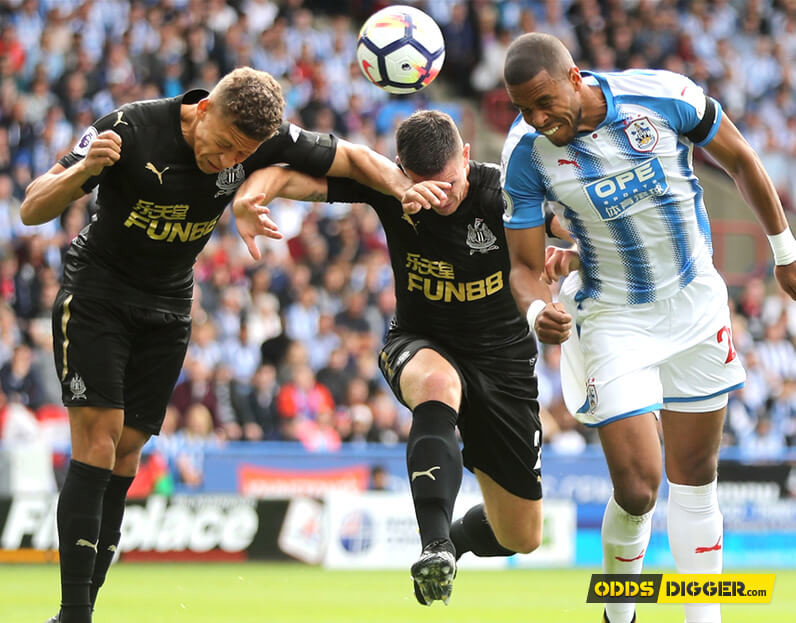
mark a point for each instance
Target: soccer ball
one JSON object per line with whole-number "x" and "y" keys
{"x": 400, "y": 49}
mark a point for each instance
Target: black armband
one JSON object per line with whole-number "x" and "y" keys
{"x": 703, "y": 128}
{"x": 548, "y": 223}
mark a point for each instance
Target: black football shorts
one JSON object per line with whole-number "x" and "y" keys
{"x": 499, "y": 415}
{"x": 120, "y": 356}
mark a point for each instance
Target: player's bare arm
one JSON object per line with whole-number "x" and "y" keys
{"x": 250, "y": 203}
{"x": 559, "y": 231}
{"x": 424, "y": 195}
{"x": 281, "y": 181}
{"x": 548, "y": 320}
{"x": 49, "y": 194}
{"x": 370, "y": 168}
{"x": 730, "y": 149}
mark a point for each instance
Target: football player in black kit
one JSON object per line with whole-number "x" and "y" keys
{"x": 458, "y": 351}
{"x": 165, "y": 170}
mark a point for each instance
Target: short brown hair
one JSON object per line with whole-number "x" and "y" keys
{"x": 426, "y": 141}
{"x": 252, "y": 100}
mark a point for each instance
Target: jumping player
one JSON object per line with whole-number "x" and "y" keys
{"x": 458, "y": 352}
{"x": 165, "y": 170}
{"x": 612, "y": 154}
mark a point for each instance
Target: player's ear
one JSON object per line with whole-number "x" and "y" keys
{"x": 466, "y": 153}
{"x": 575, "y": 79}
{"x": 203, "y": 106}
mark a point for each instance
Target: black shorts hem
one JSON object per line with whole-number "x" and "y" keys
{"x": 101, "y": 404}
{"x": 534, "y": 492}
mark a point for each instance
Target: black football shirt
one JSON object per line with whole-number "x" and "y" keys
{"x": 157, "y": 209}
{"x": 451, "y": 272}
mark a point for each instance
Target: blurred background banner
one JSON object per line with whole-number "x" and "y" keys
{"x": 352, "y": 509}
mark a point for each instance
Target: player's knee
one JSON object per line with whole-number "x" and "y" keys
{"x": 636, "y": 498}
{"x": 695, "y": 469}
{"x": 440, "y": 385}
{"x": 522, "y": 542}
{"x": 127, "y": 463}
{"x": 99, "y": 450}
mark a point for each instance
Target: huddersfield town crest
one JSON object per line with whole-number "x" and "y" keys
{"x": 229, "y": 179}
{"x": 591, "y": 395}
{"x": 480, "y": 238}
{"x": 643, "y": 136}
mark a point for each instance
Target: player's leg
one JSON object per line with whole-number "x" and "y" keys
{"x": 694, "y": 520}
{"x": 431, "y": 387}
{"x": 95, "y": 432}
{"x": 695, "y": 383}
{"x": 428, "y": 383}
{"x": 500, "y": 426}
{"x": 128, "y": 456}
{"x": 633, "y": 454}
{"x": 515, "y": 522}
{"x": 90, "y": 347}
{"x": 611, "y": 381}
{"x": 152, "y": 370}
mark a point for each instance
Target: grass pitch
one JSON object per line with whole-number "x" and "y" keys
{"x": 292, "y": 593}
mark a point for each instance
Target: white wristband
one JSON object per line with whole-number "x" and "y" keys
{"x": 533, "y": 311}
{"x": 784, "y": 247}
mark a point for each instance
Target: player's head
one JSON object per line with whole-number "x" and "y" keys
{"x": 244, "y": 109}
{"x": 430, "y": 148}
{"x": 544, "y": 84}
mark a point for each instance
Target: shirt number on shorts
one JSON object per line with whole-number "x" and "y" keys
{"x": 731, "y": 354}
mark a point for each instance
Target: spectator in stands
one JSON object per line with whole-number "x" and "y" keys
{"x": 18, "y": 381}
{"x": 388, "y": 427}
{"x": 261, "y": 403}
{"x": 196, "y": 388}
{"x": 462, "y": 46}
{"x": 302, "y": 398}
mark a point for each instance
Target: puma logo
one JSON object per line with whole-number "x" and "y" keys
{"x": 111, "y": 548}
{"x": 639, "y": 557}
{"x": 563, "y": 161}
{"x": 119, "y": 114}
{"x": 85, "y": 543}
{"x": 151, "y": 167}
{"x": 712, "y": 548}
{"x": 406, "y": 217}
{"x": 425, "y": 473}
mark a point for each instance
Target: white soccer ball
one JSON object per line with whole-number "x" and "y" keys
{"x": 400, "y": 49}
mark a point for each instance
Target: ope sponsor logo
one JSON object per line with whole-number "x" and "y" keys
{"x": 613, "y": 195}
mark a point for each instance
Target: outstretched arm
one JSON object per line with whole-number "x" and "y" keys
{"x": 280, "y": 181}
{"x": 49, "y": 194}
{"x": 259, "y": 189}
{"x": 370, "y": 168}
{"x": 730, "y": 149}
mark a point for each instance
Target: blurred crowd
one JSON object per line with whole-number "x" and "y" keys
{"x": 286, "y": 348}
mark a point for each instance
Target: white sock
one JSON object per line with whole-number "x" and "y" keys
{"x": 625, "y": 538}
{"x": 696, "y": 539}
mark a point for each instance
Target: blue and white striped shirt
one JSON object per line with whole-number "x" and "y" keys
{"x": 626, "y": 190}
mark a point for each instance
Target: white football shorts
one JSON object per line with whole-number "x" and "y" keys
{"x": 625, "y": 360}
